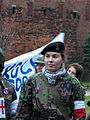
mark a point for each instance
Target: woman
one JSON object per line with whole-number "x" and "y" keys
{"x": 39, "y": 64}
{"x": 76, "y": 70}
{"x": 52, "y": 94}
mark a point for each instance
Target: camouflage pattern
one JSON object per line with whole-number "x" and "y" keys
{"x": 36, "y": 99}
{"x": 8, "y": 93}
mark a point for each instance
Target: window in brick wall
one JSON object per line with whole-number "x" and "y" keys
{"x": 46, "y": 10}
{"x": 13, "y": 9}
{"x": 74, "y": 15}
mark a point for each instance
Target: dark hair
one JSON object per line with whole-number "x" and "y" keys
{"x": 79, "y": 70}
{"x": 63, "y": 56}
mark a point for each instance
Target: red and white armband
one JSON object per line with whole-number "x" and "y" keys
{"x": 79, "y": 109}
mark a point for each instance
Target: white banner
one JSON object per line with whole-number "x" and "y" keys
{"x": 18, "y": 69}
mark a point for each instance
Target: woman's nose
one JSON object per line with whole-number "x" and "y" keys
{"x": 50, "y": 59}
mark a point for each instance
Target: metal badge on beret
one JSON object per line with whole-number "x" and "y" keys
{"x": 57, "y": 47}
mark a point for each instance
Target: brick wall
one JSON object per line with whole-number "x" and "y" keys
{"x": 29, "y": 24}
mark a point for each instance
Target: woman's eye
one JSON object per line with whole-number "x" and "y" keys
{"x": 55, "y": 56}
{"x": 47, "y": 56}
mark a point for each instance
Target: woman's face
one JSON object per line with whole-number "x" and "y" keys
{"x": 53, "y": 61}
{"x": 72, "y": 71}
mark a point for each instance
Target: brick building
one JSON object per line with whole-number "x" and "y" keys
{"x": 26, "y": 25}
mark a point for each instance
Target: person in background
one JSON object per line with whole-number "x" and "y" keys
{"x": 39, "y": 64}
{"x": 76, "y": 70}
{"x": 7, "y": 93}
{"x": 52, "y": 94}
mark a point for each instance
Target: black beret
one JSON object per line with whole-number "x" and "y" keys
{"x": 53, "y": 47}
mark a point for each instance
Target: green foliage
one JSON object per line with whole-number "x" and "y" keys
{"x": 86, "y": 85}
{"x": 87, "y": 98}
{"x": 86, "y": 54}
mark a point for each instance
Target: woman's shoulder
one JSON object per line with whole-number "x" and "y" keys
{"x": 34, "y": 77}
{"x": 74, "y": 80}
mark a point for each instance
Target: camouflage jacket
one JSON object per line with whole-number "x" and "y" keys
{"x": 7, "y": 95}
{"x": 35, "y": 95}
